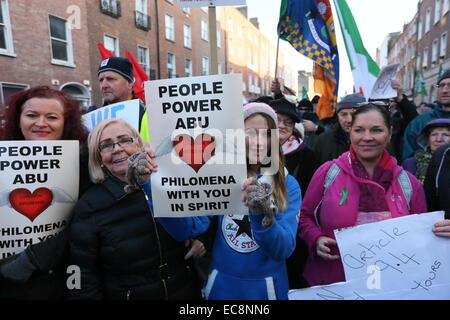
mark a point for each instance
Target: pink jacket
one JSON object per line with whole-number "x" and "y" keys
{"x": 333, "y": 216}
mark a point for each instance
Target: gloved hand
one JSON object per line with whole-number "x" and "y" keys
{"x": 259, "y": 201}
{"x": 18, "y": 268}
{"x": 136, "y": 173}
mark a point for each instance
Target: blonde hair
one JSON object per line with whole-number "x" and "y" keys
{"x": 96, "y": 171}
{"x": 279, "y": 187}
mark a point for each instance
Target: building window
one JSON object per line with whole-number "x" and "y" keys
{"x": 434, "y": 52}
{"x": 205, "y": 66}
{"x": 6, "y": 40}
{"x": 142, "y": 19}
{"x": 446, "y": 7}
{"x": 443, "y": 52}
{"x": 219, "y": 68}
{"x": 428, "y": 20}
{"x": 170, "y": 28}
{"x": 204, "y": 31}
{"x": 187, "y": 11}
{"x": 187, "y": 36}
{"x": 420, "y": 29}
{"x": 8, "y": 89}
{"x": 437, "y": 11}
{"x": 188, "y": 67}
{"x": 110, "y": 7}
{"x": 219, "y": 37}
{"x": 144, "y": 59}
{"x": 112, "y": 44}
{"x": 425, "y": 58}
{"x": 61, "y": 41}
{"x": 171, "y": 70}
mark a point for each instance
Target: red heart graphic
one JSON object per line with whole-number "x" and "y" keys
{"x": 195, "y": 152}
{"x": 31, "y": 205}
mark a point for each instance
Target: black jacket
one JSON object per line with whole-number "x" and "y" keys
{"x": 122, "y": 251}
{"x": 437, "y": 181}
{"x": 331, "y": 144}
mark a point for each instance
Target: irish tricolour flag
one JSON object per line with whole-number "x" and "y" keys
{"x": 365, "y": 70}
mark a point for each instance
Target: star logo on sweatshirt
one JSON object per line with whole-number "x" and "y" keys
{"x": 237, "y": 233}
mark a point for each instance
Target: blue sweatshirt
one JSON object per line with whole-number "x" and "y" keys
{"x": 248, "y": 260}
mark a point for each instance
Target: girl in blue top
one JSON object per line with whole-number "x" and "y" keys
{"x": 249, "y": 253}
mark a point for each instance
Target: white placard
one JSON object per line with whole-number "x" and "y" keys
{"x": 209, "y": 3}
{"x": 382, "y": 88}
{"x": 38, "y": 190}
{"x": 126, "y": 110}
{"x": 394, "y": 259}
{"x": 197, "y": 130}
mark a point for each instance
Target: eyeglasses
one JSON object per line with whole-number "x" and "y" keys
{"x": 109, "y": 146}
{"x": 286, "y": 123}
{"x": 443, "y": 85}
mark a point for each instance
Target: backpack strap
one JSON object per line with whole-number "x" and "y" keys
{"x": 405, "y": 184}
{"x": 329, "y": 179}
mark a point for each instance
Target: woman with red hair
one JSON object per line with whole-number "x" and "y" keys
{"x": 41, "y": 113}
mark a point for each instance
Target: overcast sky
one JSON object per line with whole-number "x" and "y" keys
{"x": 375, "y": 19}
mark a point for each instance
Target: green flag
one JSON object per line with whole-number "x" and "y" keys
{"x": 421, "y": 89}
{"x": 305, "y": 94}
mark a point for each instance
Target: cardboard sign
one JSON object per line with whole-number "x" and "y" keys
{"x": 382, "y": 88}
{"x": 126, "y": 110}
{"x": 393, "y": 259}
{"x": 209, "y": 3}
{"x": 38, "y": 190}
{"x": 197, "y": 130}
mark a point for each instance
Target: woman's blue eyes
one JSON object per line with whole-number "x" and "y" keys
{"x": 32, "y": 115}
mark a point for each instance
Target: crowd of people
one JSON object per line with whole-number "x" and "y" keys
{"x": 371, "y": 162}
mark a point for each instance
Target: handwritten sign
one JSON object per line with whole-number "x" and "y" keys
{"x": 126, "y": 110}
{"x": 393, "y": 259}
{"x": 38, "y": 189}
{"x": 382, "y": 88}
{"x": 197, "y": 124}
{"x": 209, "y": 3}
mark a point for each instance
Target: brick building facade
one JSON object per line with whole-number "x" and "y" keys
{"x": 44, "y": 43}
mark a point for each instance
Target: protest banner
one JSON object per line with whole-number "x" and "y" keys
{"x": 38, "y": 189}
{"x": 126, "y": 110}
{"x": 382, "y": 88}
{"x": 196, "y": 125}
{"x": 393, "y": 259}
{"x": 209, "y": 3}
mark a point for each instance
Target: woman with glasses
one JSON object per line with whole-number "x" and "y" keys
{"x": 122, "y": 251}
{"x": 434, "y": 135}
{"x": 364, "y": 185}
{"x": 301, "y": 163}
{"x": 43, "y": 114}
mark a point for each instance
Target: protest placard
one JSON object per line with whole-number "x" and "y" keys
{"x": 126, "y": 110}
{"x": 196, "y": 125}
{"x": 382, "y": 88}
{"x": 394, "y": 259}
{"x": 38, "y": 189}
{"x": 209, "y": 3}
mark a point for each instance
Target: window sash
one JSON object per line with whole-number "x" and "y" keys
{"x": 187, "y": 36}
{"x": 169, "y": 27}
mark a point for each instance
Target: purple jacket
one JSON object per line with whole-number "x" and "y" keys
{"x": 333, "y": 216}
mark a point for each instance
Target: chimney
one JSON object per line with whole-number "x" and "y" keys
{"x": 255, "y": 22}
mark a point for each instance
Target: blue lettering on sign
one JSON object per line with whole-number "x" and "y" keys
{"x": 98, "y": 117}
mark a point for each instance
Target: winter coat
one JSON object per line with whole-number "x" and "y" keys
{"x": 248, "y": 260}
{"x": 331, "y": 144}
{"x": 414, "y": 129}
{"x": 437, "y": 181}
{"x": 122, "y": 251}
{"x": 332, "y": 216}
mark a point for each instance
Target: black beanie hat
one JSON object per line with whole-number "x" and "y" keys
{"x": 446, "y": 75}
{"x": 119, "y": 65}
{"x": 283, "y": 106}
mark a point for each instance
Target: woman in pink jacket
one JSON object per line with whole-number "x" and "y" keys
{"x": 364, "y": 185}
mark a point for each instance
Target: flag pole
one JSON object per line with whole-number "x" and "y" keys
{"x": 276, "y": 59}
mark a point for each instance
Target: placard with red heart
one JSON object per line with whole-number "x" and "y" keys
{"x": 31, "y": 205}
{"x": 195, "y": 153}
